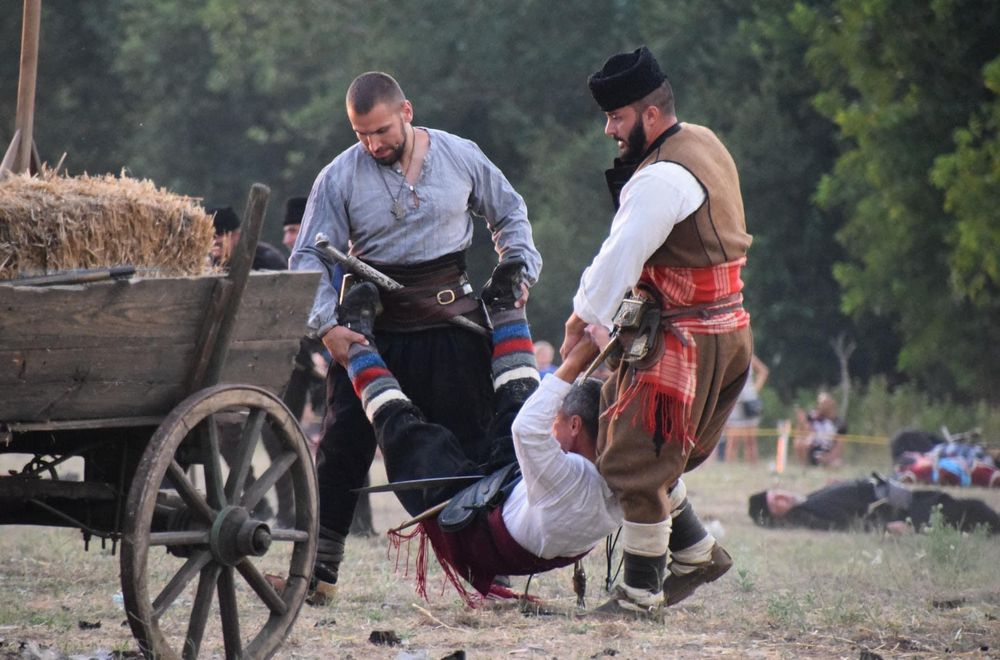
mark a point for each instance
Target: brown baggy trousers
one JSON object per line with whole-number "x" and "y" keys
{"x": 641, "y": 468}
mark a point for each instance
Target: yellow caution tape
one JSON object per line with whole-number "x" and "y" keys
{"x": 846, "y": 437}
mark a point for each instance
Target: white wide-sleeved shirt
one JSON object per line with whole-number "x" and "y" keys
{"x": 655, "y": 199}
{"x": 562, "y": 506}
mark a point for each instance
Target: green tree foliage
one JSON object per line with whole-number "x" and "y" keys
{"x": 970, "y": 179}
{"x": 899, "y": 79}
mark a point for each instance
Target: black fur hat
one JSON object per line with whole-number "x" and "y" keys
{"x": 295, "y": 207}
{"x": 225, "y": 218}
{"x": 625, "y": 78}
{"x": 758, "y": 509}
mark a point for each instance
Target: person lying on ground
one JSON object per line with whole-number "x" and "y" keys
{"x": 872, "y": 503}
{"x": 551, "y": 506}
{"x": 923, "y": 458}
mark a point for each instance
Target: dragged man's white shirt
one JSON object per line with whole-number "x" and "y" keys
{"x": 562, "y": 507}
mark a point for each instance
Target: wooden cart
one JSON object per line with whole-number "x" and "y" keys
{"x": 144, "y": 379}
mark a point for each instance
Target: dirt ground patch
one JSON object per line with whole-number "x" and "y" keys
{"x": 791, "y": 594}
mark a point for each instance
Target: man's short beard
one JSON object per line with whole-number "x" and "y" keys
{"x": 635, "y": 144}
{"x": 396, "y": 154}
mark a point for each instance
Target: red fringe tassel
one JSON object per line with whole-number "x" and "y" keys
{"x": 675, "y": 414}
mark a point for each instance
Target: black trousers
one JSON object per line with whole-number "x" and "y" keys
{"x": 444, "y": 371}
{"x": 414, "y": 448}
{"x": 297, "y": 389}
{"x": 964, "y": 513}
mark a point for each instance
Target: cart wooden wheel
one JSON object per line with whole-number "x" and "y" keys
{"x": 184, "y": 499}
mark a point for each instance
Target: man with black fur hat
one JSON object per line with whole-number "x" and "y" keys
{"x": 679, "y": 241}
{"x": 404, "y": 199}
{"x": 227, "y": 235}
{"x": 872, "y": 503}
{"x": 304, "y": 377}
{"x": 295, "y": 208}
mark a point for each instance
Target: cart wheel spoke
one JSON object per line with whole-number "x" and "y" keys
{"x": 230, "y": 613}
{"x": 278, "y": 468}
{"x": 294, "y": 535}
{"x": 201, "y": 610}
{"x": 180, "y": 580}
{"x": 213, "y": 464}
{"x": 262, "y": 587}
{"x": 244, "y": 455}
{"x": 189, "y": 493}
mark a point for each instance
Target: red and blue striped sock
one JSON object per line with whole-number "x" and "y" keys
{"x": 513, "y": 350}
{"x": 373, "y": 382}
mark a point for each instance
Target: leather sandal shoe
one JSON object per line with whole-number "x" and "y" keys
{"x": 320, "y": 593}
{"x": 679, "y": 587}
{"x": 623, "y": 606}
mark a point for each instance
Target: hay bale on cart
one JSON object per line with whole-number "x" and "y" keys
{"x": 51, "y": 223}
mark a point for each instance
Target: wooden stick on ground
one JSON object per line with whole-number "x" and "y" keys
{"x": 432, "y": 617}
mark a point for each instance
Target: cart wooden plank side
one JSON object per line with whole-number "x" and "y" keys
{"x": 168, "y": 389}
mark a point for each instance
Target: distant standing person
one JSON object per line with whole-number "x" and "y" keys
{"x": 266, "y": 257}
{"x": 544, "y": 354}
{"x": 816, "y": 441}
{"x": 741, "y": 427}
{"x": 308, "y": 381}
{"x": 304, "y": 376}
{"x": 295, "y": 208}
{"x": 309, "y": 372}
{"x": 678, "y": 241}
{"x": 227, "y": 235}
{"x": 404, "y": 199}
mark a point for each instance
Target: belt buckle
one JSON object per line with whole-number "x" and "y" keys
{"x": 446, "y": 297}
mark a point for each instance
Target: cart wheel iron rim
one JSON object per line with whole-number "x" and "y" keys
{"x": 216, "y": 530}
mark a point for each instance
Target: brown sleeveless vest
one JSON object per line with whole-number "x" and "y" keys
{"x": 716, "y": 232}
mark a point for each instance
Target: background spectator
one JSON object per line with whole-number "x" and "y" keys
{"x": 545, "y": 353}
{"x": 816, "y": 441}
{"x": 741, "y": 427}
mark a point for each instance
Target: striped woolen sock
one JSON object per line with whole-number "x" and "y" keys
{"x": 513, "y": 350}
{"x": 373, "y": 382}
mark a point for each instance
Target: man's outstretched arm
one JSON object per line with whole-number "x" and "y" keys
{"x": 579, "y": 357}
{"x": 542, "y": 460}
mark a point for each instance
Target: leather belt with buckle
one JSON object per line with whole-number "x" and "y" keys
{"x": 448, "y": 296}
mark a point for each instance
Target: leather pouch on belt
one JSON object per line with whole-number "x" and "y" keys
{"x": 637, "y": 327}
{"x": 484, "y": 495}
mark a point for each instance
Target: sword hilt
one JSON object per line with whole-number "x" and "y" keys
{"x": 608, "y": 349}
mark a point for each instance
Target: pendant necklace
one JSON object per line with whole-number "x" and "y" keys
{"x": 398, "y": 210}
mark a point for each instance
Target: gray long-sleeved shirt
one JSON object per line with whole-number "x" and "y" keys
{"x": 351, "y": 202}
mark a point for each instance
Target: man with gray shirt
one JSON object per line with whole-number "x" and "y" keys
{"x": 403, "y": 201}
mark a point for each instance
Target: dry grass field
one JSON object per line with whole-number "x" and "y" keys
{"x": 791, "y": 594}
